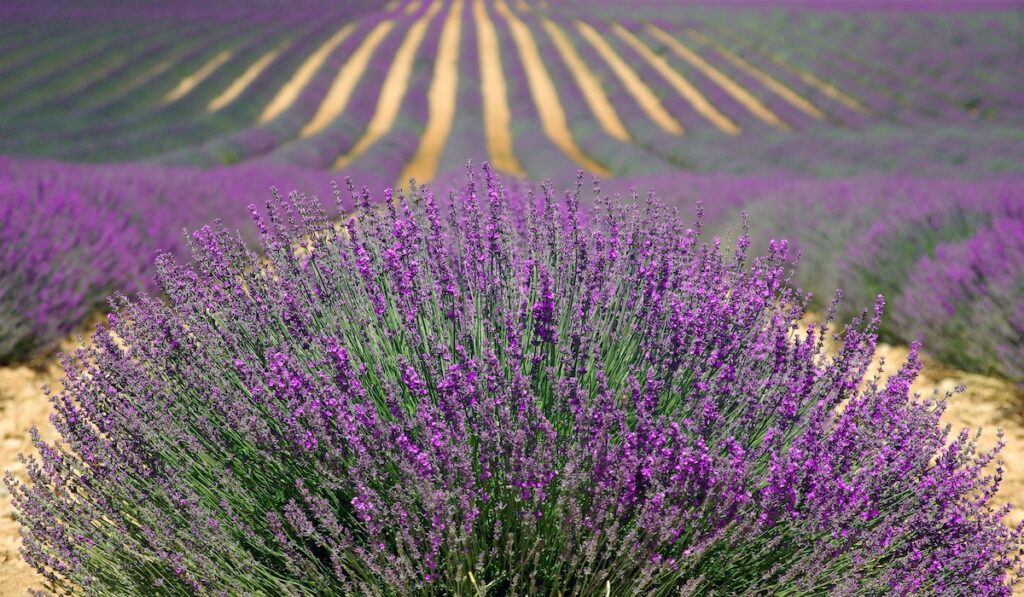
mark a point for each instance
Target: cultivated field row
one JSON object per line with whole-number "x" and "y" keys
{"x": 408, "y": 90}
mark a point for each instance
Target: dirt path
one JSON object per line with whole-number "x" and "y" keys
{"x": 290, "y": 91}
{"x": 442, "y": 97}
{"x": 392, "y": 90}
{"x": 497, "y": 114}
{"x": 544, "y": 92}
{"x": 348, "y": 77}
{"x": 645, "y": 97}
{"x": 988, "y": 403}
{"x": 22, "y": 406}
{"x": 590, "y": 86}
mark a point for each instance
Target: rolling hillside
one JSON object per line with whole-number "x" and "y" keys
{"x": 418, "y": 86}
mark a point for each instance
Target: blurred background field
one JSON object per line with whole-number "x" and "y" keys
{"x": 885, "y": 139}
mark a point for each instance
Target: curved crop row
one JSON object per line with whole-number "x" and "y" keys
{"x": 694, "y": 75}
{"x": 946, "y": 253}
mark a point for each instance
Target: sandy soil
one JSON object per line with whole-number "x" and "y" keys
{"x": 988, "y": 404}
{"x": 22, "y": 406}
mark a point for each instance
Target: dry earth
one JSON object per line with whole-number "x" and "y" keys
{"x": 22, "y": 406}
{"x": 987, "y": 403}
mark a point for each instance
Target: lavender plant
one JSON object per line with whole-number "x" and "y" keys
{"x": 945, "y": 252}
{"x": 497, "y": 393}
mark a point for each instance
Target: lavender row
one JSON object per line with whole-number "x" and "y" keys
{"x": 322, "y": 149}
{"x": 389, "y": 154}
{"x": 74, "y": 234}
{"x": 164, "y": 125}
{"x": 71, "y": 134}
{"x": 622, "y": 158}
{"x": 126, "y": 88}
{"x": 943, "y": 251}
{"x": 967, "y": 298}
{"x": 466, "y": 138}
{"x": 259, "y": 139}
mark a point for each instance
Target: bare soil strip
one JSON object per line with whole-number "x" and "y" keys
{"x": 413, "y": 6}
{"x": 189, "y": 83}
{"x": 393, "y": 89}
{"x": 497, "y": 115}
{"x": 635, "y": 86}
{"x": 773, "y": 85}
{"x": 545, "y": 96}
{"x": 741, "y": 95}
{"x": 600, "y": 106}
{"x": 678, "y": 82}
{"x": 239, "y": 85}
{"x": 338, "y": 96}
{"x": 442, "y": 97}
{"x": 290, "y": 91}
{"x": 808, "y": 77}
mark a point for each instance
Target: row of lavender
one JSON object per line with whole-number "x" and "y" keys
{"x": 99, "y": 92}
{"x": 966, "y": 148}
{"x": 906, "y": 64}
{"x": 74, "y": 234}
{"x": 947, "y": 254}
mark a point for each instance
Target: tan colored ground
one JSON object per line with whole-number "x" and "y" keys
{"x": 497, "y": 114}
{"x": 340, "y": 92}
{"x": 545, "y": 95}
{"x": 988, "y": 403}
{"x": 645, "y": 97}
{"x": 442, "y": 99}
{"x": 392, "y": 90}
{"x": 22, "y": 406}
{"x": 287, "y": 95}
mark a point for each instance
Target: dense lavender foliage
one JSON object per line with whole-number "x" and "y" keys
{"x": 968, "y": 299}
{"x": 498, "y": 397}
{"x": 914, "y": 241}
{"x": 943, "y": 251}
{"x": 71, "y": 235}
{"x": 61, "y": 254}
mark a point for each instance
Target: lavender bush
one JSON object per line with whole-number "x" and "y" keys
{"x": 503, "y": 396}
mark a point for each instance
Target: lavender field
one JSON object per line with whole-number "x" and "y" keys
{"x": 512, "y": 297}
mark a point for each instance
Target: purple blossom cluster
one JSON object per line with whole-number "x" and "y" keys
{"x": 498, "y": 392}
